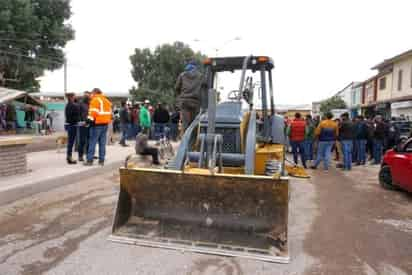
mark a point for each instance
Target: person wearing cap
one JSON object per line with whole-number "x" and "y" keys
{"x": 99, "y": 117}
{"x": 72, "y": 116}
{"x": 188, "y": 89}
{"x": 145, "y": 118}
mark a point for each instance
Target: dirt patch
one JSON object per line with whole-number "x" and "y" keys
{"x": 346, "y": 236}
{"x": 226, "y": 266}
{"x": 49, "y": 226}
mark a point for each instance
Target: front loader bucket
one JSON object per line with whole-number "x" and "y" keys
{"x": 223, "y": 214}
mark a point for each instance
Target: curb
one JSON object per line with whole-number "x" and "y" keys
{"x": 13, "y": 193}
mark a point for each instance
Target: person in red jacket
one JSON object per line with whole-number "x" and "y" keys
{"x": 296, "y": 133}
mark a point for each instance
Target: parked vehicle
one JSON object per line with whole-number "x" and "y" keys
{"x": 404, "y": 127}
{"x": 396, "y": 169}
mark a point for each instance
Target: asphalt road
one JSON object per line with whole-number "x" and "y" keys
{"x": 340, "y": 223}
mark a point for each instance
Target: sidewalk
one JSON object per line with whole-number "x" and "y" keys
{"x": 48, "y": 170}
{"x": 40, "y": 142}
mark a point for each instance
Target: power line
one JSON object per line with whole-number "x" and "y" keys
{"x": 33, "y": 59}
{"x": 36, "y": 60}
{"x": 22, "y": 49}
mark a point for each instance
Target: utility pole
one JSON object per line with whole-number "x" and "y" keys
{"x": 65, "y": 76}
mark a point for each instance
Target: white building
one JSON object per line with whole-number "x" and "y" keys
{"x": 352, "y": 95}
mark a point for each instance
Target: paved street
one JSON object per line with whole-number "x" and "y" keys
{"x": 340, "y": 223}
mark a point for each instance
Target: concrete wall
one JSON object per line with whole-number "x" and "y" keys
{"x": 12, "y": 160}
{"x": 386, "y": 93}
{"x": 406, "y": 67}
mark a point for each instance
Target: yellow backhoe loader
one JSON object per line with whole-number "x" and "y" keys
{"x": 226, "y": 191}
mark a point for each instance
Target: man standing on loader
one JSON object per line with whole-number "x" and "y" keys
{"x": 187, "y": 88}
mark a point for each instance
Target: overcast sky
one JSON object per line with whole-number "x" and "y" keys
{"x": 318, "y": 46}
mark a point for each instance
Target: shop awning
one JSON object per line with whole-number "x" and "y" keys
{"x": 8, "y": 95}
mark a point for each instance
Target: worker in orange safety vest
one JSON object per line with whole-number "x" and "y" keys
{"x": 99, "y": 117}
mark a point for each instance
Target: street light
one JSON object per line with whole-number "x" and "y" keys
{"x": 217, "y": 49}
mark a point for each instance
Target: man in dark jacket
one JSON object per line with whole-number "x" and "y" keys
{"x": 381, "y": 131}
{"x": 188, "y": 87}
{"x": 394, "y": 135}
{"x": 371, "y": 131}
{"x": 309, "y": 137}
{"x": 124, "y": 122}
{"x": 83, "y": 127}
{"x": 161, "y": 118}
{"x": 361, "y": 137}
{"x": 72, "y": 114}
{"x": 346, "y": 135}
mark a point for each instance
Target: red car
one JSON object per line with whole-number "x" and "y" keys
{"x": 396, "y": 169}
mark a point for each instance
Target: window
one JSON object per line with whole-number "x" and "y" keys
{"x": 400, "y": 80}
{"x": 411, "y": 77}
{"x": 382, "y": 83}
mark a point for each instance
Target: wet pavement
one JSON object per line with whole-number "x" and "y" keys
{"x": 340, "y": 223}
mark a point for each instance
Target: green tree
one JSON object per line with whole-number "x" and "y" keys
{"x": 156, "y": 71}
{"x": 33, "y": 34}
{"x": 335, "y": 102}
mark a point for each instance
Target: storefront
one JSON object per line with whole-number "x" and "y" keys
{"x": 18, "y": 103}
{"x": 383, "y": 109}
{"x": 372, "y": 110}
{"x": 402, "y": 109}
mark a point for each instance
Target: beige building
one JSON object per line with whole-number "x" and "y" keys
{"x": 370, "y": 91}
{"x": 402, "y": 73}
{"x": 384, "y": 83}
{"x": 394, "y": 84}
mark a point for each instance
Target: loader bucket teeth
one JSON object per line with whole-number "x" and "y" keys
{"x": 232, "y": 215}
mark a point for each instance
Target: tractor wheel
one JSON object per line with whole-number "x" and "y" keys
{"x": 385, "y": 178}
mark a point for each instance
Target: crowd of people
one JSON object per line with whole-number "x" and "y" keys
{"x": 87, "y": 119}
{"x": 156, "y": 122}
{"x": 91, "y": 119}
{"x": 354, "y": 141}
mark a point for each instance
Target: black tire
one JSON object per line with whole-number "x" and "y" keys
{"x": 385, "y": 178}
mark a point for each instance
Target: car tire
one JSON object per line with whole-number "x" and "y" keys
{"x": 385, "y": 178}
